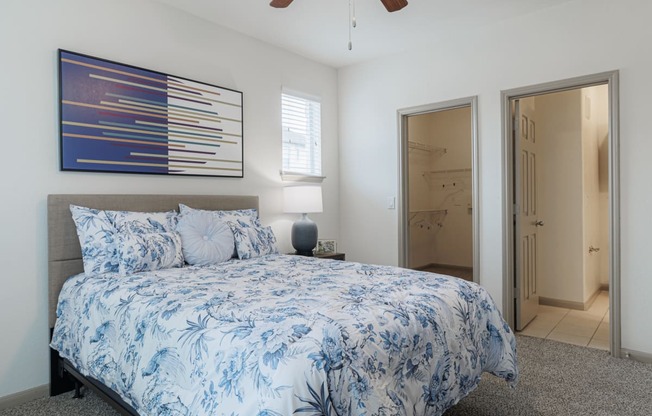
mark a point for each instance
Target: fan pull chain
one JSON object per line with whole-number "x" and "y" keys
{"x": 352, "y": 21}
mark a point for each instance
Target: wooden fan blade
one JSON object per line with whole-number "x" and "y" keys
{"x": 280, "y": 4}
{"x": 394, "y": 5}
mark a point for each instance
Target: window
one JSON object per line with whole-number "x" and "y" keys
{"x": 301, "y": 124}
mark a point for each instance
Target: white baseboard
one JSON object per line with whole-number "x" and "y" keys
{"x": 643, "y": 357}
{"x": 24, "y": 396}
{"x": 569, "y": 304}
{"x": 559, "y": 303}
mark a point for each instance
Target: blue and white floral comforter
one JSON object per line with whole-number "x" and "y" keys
{"x": 284, "y": 335}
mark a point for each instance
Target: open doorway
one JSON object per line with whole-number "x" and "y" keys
{"x": 439, "y": 188}
{"x": 562, "y": 232}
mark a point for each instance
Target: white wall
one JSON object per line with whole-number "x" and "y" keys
{"x": 441, "y": 238}
{"x": 568, "y": 133}
{"x": 422, "y": 236}
{"x": 152, "y": 36}
{"x": 593, "y": 104}
{"x": 600, "y": 113}
{"x": 576, "y": 38}
{"x": 559, "y": 137}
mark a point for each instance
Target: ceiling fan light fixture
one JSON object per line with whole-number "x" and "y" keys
{"x": 394, "y": 5}
{"x": 390, "y": 5}
{"x": 352, "y": 21}
{"x": 280, "y": 4}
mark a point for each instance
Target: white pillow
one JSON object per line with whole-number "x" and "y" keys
{"x": 145, "y": 252}
{"x": 252, "y": 239}
{"x": 226, "y": 216}
{"x": 230, "y": 215}
{"x": 143, "y": 222}
{"x": 98, "y": 234}
{"x": 97, "y": 239}
{"x": 204, "y": 239}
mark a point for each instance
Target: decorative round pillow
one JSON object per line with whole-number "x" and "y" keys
{"x": 204, "y": 239}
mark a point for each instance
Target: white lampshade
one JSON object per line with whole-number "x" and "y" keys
{"x": 302, "y": 199}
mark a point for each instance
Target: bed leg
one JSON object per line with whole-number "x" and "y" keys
{"x": 78, "y": 394}
{"x": 59, "y": 380}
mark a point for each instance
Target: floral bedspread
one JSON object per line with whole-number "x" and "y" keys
{"x": 284, "y": 335}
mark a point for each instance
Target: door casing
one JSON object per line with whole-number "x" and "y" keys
{"x": 611, "y": 80}
{"x": 403, "y": 189}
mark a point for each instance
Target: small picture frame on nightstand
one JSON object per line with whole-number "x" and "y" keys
{"x": 326, "y": 246}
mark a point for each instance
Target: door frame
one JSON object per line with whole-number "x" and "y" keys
{"x": 403, "y": 188}
{"x": 611, "y": 80}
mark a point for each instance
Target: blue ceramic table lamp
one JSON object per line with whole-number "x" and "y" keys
{"x": 303, "y": 200}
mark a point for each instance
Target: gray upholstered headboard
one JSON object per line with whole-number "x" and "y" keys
{"x": 64, "y": 252}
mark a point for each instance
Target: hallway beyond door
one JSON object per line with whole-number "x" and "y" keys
{"x": 588, "y": 328}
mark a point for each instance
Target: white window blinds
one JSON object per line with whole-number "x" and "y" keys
{"x": 301, "y": 123}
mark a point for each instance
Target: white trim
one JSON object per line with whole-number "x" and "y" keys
{"x": 611, "y": 80}
{"x": 643, "y": 357}
{"x": 301, "y": 134}
{"x": 570, "y": 304}
{"x": 300, "y": 94}
{"x": 300, "y": 177}
{"x": 24, "y": 396}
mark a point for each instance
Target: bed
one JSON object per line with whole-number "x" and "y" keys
{"x": 270, "y": 335}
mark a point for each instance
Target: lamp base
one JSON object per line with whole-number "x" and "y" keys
{"x": 304, "y": 235}
{"x": 304, "y": 253}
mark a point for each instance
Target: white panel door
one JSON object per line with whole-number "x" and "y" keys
{"x": 526, "y": 221}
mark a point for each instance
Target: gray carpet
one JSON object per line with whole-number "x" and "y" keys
{"x": 556, "y": 379}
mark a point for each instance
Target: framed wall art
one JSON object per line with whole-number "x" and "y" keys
{"x": 326, "y": 246}
{"x": 121, "y": 118}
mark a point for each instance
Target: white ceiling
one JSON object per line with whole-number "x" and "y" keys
{"x": 318, "y": 29}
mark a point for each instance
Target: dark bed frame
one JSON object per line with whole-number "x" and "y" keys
{"x": 64, "y": 260}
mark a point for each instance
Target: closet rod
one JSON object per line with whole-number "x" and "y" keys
{"x": 426, "y": 147}
{"x": 432, "y": 172}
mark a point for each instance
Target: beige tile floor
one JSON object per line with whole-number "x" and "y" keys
{"x": 588, "y": 328}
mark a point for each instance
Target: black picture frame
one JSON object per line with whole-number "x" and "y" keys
{"x": 120, "y": 118}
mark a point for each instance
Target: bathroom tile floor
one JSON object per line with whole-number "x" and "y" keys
{"x": 588, "y": 328}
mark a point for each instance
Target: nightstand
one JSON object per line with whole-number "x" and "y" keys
{"x": 332, "y": 256}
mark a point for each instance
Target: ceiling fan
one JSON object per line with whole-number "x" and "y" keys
{"x": 390, "y": 5}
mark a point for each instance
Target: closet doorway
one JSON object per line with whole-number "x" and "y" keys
{"x": 438, "y": 188}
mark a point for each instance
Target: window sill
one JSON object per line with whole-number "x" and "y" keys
{"x": 300, "y": 177}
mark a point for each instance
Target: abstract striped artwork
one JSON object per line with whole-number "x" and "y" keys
{"x": 120, "y": 118}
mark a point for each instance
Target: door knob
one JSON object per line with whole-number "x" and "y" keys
{"x": 539, "y": 223}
